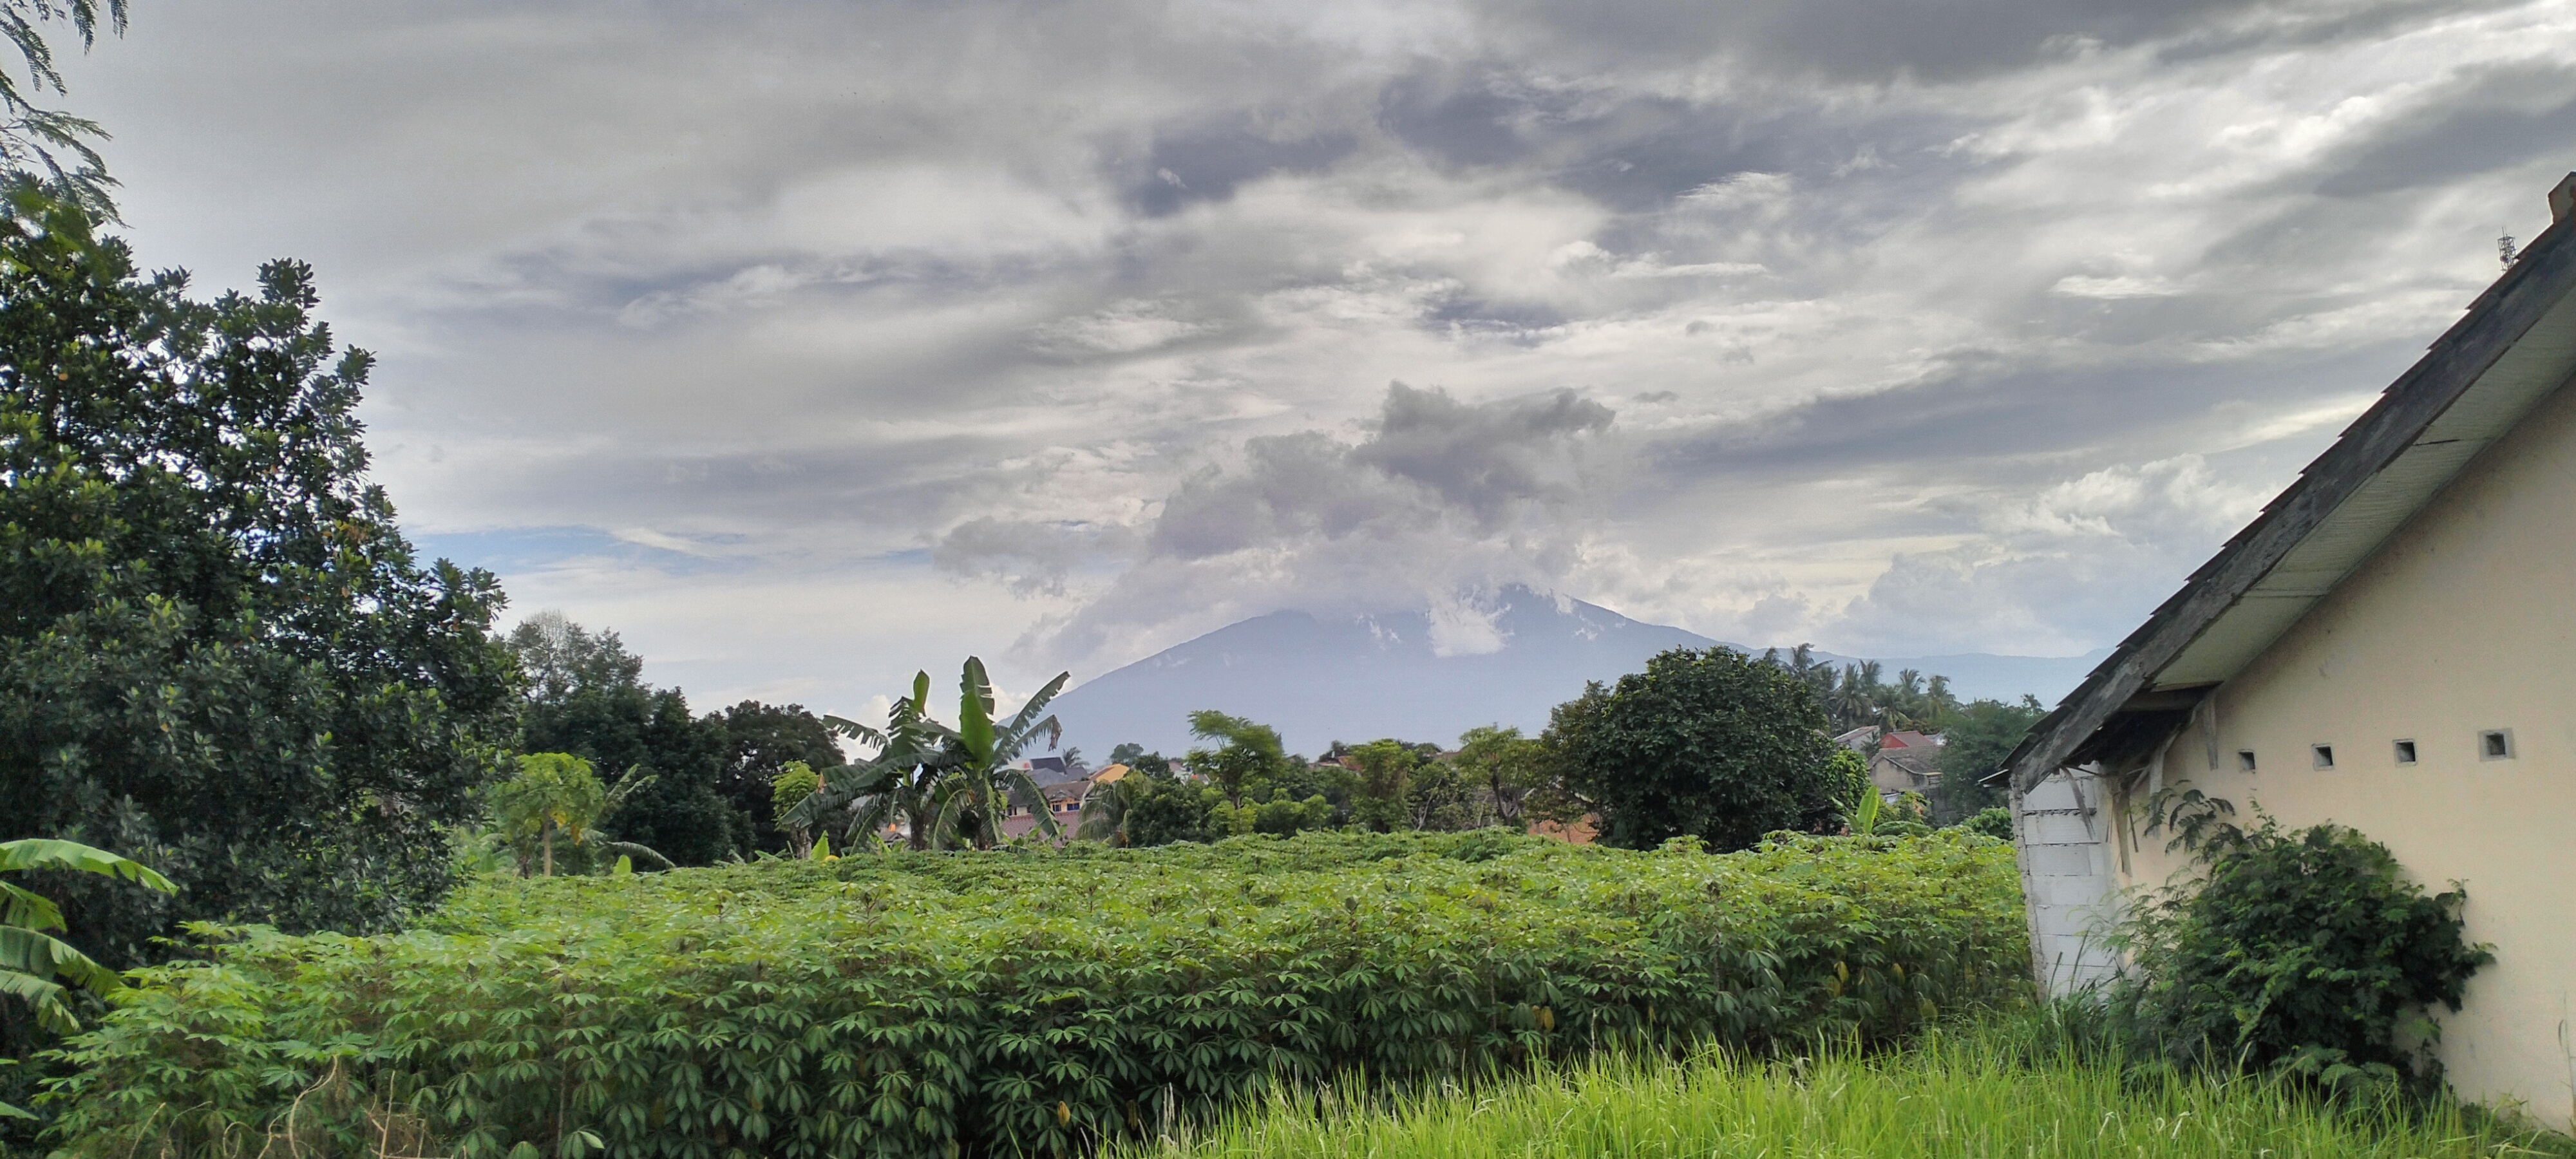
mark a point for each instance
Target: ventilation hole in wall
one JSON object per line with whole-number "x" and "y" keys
{"x": 2406, "y": 752}
{"x": 2495, "y": 744}
{"x": 2324, "y": 754}
{"x": 2245, "y": 760}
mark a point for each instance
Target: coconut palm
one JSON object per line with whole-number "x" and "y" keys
{"x": 973, "y": 797}
{"x": 36, "y": 966}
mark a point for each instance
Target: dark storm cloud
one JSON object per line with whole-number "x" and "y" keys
{"x": 1487, "y": 459}
{"x": 1431, "y": 460}
{"x": 2017, "y": 421}
{"x": 1630, "y": 150}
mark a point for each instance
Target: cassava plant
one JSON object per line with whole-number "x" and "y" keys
{"x": 1005, "y": 1004}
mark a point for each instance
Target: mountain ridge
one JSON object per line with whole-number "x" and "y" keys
{"x": 1407, "y": 675}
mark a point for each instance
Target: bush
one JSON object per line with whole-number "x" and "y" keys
{"x": 2306, "y": 950}
{"x": 1012, "y": 1002}
{"x": 1995, "y": 822}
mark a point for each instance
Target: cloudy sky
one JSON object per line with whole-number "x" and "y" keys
{"x": 806, "y": 344}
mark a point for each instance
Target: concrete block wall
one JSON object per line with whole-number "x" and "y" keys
{"x": 2067, "y": 875}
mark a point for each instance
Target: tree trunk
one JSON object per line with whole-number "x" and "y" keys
{"x": 546, "y": 836}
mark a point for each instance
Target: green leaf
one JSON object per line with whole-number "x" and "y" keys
{"x": 51, "y": 853}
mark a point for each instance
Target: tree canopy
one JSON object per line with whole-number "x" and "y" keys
{"x": 1705, "y": 743}
{"x": 1980, "y": 736}
{"x": 218, "y": 653}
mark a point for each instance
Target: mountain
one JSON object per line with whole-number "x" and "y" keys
{"x": 1363, "y": 677}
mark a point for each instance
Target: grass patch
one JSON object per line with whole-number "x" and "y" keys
{"x": 2009, "y": 1086}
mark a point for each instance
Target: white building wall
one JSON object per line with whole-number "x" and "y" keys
{"x": 2062, "y": 838}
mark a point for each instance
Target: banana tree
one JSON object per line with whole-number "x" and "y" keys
{"x": 973, "y": 797}
{"x": 36, "y": 966}
{"x": 1860, "y": 814}
{"x": 914, "y": 755}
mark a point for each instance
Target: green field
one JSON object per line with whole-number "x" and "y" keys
{"x": 1024, "y": 1002}
{"x": 2003, "y": 1086}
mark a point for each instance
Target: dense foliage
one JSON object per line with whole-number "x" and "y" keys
{"x": 1706, "y": 743}
{"x": 1014, "y": 1001}
{"x": 707, "y": 796}
{"x": 1978, "y": 738}
{"x": 2309, "y": 950}
{"x": 218, "y": 654}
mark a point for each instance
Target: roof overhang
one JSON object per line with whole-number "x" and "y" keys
{"x": 2514, "y": 347}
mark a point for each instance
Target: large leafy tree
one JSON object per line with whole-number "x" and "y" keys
{"x": 1159, "y": 808}
{"x": 1980, "y": 736}
{"x": 587, "y": 697}
{"x": 1379, "y": 793}
{"x": 761, "y": 741}
{"x": 1505, "y": 768}
{"x": 217, "y": 651}
{"x": 1244, "y": 752}
{"x": 1705, "y": 743}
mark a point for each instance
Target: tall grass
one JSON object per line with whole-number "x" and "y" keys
{"x": 2018, "y": 1088}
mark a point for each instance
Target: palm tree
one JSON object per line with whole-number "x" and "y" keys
{"x": 1104, "y": 814}
{"x": 1854, "y": 702}
{"x": 976, "y": 791}
{"x": 35, "y": 965}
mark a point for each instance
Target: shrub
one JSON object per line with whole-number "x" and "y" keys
{"x": 1015, "y": 1002}
{"x": 1996, "y": 822}
{"x": 2307, "y": 950}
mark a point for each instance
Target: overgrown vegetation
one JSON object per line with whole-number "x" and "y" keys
{"x": 2018, "y": 1085}
{"x": 1023, "y": 1002}
{"x": 2306, "y": 951}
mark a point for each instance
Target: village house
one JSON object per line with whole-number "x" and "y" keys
{"x": 1064, "y": 799}
{"x": 2385, "y": 647}
{"x": 1905, "y": 763}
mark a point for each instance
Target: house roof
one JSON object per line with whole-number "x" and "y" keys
{"x": 2516, "y": 345}
{"x": 1917, "y": 761}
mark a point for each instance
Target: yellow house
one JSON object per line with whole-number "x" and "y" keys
{"x": 2390, "y": 646}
